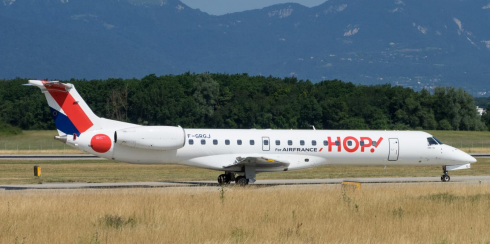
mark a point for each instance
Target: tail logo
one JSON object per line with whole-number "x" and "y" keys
{"x": 71, "y": 118}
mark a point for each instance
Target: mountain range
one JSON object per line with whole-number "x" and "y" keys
{"x": 415, "y": 43}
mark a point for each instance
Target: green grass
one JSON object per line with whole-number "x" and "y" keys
{"x": 463, "y": 139}
{"x": 32, "y": 140}
{"x": 21, "y": 172}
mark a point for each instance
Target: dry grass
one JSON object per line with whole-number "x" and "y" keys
{"x": 378, "y": 213}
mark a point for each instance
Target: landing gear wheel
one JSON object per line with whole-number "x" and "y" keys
{"x": 445, "y": 178}
{"x": 223, "y": 180}
{"x": 241, "y": 181}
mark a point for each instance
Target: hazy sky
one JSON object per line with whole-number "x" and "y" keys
{"x": 220, "y": 7}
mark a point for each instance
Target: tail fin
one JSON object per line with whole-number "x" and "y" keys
{"x": 70, "y": 112}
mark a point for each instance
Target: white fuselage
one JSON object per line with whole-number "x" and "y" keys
{"x": 242, "y": 152}
{"x": 209, "y": 148}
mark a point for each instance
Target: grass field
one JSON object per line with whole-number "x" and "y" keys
{"x": 35, "y": 142}
{"x": 478, "y": 141}
{"x": 21, "y": 172}
{"x": 377, "y": 213}
{"x": 42, "y": 142}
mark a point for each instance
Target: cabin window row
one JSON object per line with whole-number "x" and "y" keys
{"x": 278, "y": 142}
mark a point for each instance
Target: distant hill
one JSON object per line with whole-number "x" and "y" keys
{"x": 414, "y": 43}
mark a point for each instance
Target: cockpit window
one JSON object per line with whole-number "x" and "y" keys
{"x": 437, "y": 140}
{"x": 431, "y": 141}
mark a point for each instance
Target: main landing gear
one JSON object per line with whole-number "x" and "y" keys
{"x": 225, "y": 179}
{"x": 445, "y": 177}
{"x": 241, "y": 181}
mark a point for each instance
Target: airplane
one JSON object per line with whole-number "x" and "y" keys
{"x": 240, "y": 153}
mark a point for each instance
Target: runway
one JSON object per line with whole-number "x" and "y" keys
{"x": 403, "y": 180}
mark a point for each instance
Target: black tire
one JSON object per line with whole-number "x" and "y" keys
{"x": 241, "y": 181}
{"x": 222, "y": 180}
{"x": 229, "y": 178}
{"x": 447, "y": 178}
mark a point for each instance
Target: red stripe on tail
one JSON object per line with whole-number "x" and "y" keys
{"x": 72, "y": 110}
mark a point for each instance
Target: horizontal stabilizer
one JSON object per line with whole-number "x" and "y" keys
{"x": 51, "y": 85}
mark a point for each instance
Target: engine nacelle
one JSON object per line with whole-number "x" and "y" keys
{"x": 151, "y": 137}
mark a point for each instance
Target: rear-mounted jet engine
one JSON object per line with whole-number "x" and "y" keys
{"x": 151, "y": 137}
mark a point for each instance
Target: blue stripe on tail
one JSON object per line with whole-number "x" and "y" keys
{"x": 63, "y": 123}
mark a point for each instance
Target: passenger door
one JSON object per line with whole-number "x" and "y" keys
{"x": 394, "y": 149}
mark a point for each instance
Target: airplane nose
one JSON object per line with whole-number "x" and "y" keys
{"x": 464, "y": 157}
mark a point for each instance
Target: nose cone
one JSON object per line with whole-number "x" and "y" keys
{"x": 464, "y": 157}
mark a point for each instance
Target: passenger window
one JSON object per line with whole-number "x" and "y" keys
{"x": 191, "y": 142}
{"x": 203, "y": 142}
{"x": 431, "y": 141}
{"x": 361, "y": 143}
{"x": 325, "y": 143}
{"x": 349, "y": 143}
{"x": 215, "y": 142}
{"x": 290, "y": 143}
{"x": 313, "y": 143}
{"x": 266, "y": 142}
{"x": 252, "y": 142}
{"x": 337, "y": 143}
{"x": 374, "y": 143}
{"x": 239, "y": 142}
{"x": 302, "y": 143}
{"x": 227, "y": 142}
{"x": 278, "y": 142}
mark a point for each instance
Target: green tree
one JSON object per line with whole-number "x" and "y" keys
{"x": 206, "y": 95}
{"x": 486, "y": 117}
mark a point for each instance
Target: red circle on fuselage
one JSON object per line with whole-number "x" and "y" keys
{"x": 101, "y": 143}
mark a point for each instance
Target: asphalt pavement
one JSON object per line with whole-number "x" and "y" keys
{"x": 401, "y": 180}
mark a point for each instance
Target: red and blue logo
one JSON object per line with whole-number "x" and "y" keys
{"x": 74, "y": 120}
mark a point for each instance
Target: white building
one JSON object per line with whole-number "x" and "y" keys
{"x": 480, "y": 111}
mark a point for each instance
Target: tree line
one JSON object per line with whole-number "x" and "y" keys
{"x": 242, "y": 101}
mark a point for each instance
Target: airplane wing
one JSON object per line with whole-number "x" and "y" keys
{"x": 259, "y": 162}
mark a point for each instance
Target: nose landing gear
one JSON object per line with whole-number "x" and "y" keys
{"x": 445, "y": 177}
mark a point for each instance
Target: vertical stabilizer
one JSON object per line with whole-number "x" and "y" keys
{"x": 70, "y": 112}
